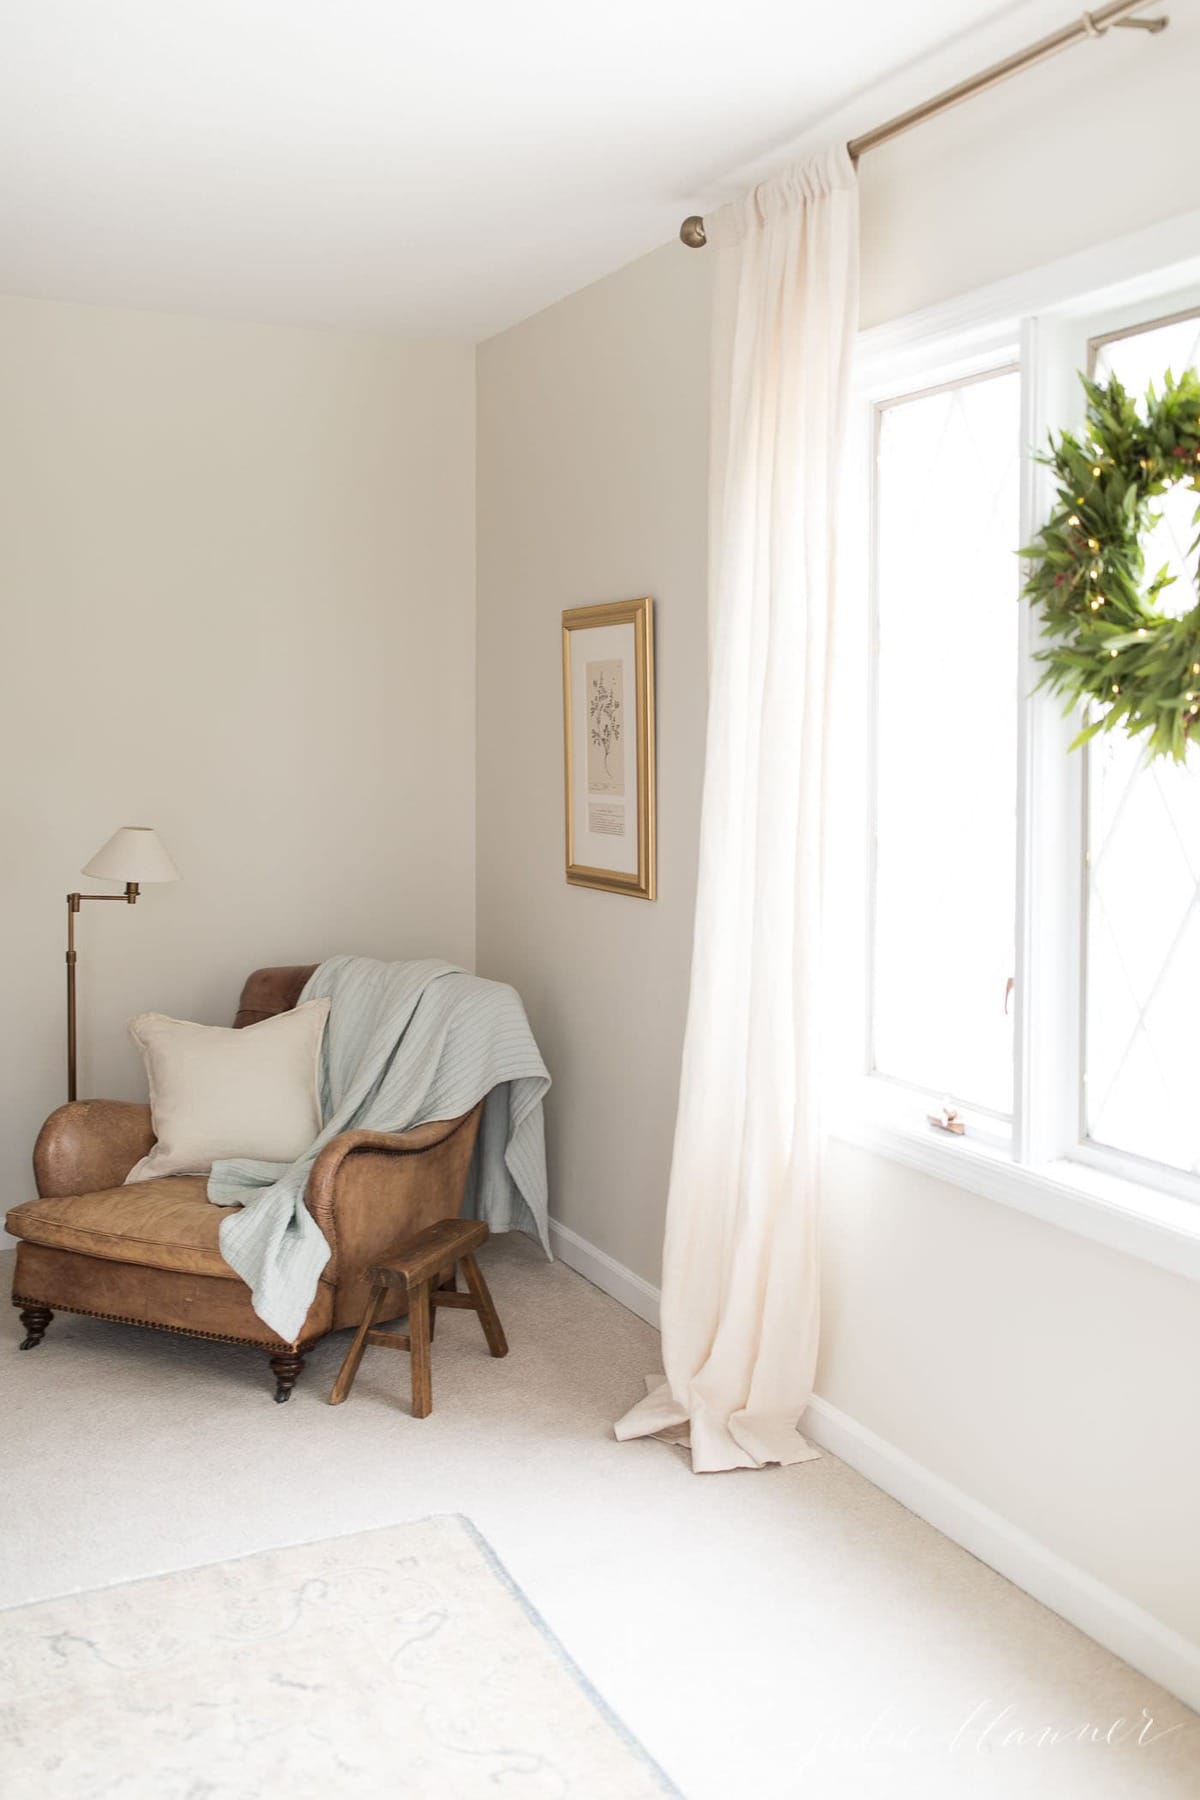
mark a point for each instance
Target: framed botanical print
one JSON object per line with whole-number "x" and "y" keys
{"x": 608, "y": 727}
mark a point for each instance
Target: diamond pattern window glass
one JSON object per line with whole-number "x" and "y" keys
{"x": 946, "y": 582}
{"x": 1142, "y": 976}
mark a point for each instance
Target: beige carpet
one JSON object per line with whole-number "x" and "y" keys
{"x": 787, "y": 1633}
{"x": 399, "y": 1662}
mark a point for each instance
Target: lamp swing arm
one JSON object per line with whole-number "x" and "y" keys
{"x": 1090, "y": 25}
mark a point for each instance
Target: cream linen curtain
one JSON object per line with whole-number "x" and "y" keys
{"x": 739, "y": 1307}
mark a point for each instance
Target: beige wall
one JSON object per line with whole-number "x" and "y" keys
{"x": 1035, "y": 169}
{"x": 592, "y": 465}
{"x": 1050, "y": 1379}
{"x": 1047, "y": 1376}
{"x": 237, "y": 582}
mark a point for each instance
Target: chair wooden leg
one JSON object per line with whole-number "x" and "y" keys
{"x": 419, "y": 1310}
{"x": 489, "y": 1318}
{"x": 286, "y": 1369}
{"x": 354, "y": 1355}
{"x": 35, "y": 1320}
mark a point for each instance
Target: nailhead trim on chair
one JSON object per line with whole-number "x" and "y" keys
{"x": 213, "y": 1337}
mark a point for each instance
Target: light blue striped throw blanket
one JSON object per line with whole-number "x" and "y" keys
{"x": 406, "y": 1043}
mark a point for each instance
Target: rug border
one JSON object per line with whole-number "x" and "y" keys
{"x": 511, "y": 1586}
{"x": 612, "y": 1719}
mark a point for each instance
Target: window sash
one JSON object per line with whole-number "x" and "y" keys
{"x": 986, "y": 1120}
{"x": 1149, "y": 316}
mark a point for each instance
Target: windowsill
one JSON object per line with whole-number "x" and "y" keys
{"x": 1123, "y": 1215}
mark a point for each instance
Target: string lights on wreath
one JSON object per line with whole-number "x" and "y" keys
{"x": 1108, "y": 647}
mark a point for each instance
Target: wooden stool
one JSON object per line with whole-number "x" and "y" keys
{"x": 426, "y": 1266}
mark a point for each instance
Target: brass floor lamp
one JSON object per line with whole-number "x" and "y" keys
{"x": 133, "y": 855}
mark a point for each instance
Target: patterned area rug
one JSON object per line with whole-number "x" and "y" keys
{"x": 403, "y": 1662}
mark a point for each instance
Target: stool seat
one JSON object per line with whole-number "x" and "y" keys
{"x": 430, "y": 1252}
{"x": 425, "y": 1266}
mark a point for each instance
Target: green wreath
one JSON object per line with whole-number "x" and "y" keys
{"x": 1109, "y": 647}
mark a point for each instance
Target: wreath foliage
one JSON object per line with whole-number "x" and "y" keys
{"x": 1108, "y": 646}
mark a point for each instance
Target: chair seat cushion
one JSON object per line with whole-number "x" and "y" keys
{"x": 164, "y": 1224}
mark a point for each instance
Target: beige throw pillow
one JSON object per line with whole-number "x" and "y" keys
{"x": 217, "y": 1092}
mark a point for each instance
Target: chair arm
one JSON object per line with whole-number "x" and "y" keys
{"x": 89, "y": 1145}
{"x": 369, "y": 1189}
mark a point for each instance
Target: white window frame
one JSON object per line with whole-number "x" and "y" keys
{"x": 1044, "y": 1167}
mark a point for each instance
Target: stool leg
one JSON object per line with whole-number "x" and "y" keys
{"x": 446, "y": 1284}
{"x": 354, "y": 1355}
{"x": 489, "y": 1318}
{"x": 419, "y": 1310}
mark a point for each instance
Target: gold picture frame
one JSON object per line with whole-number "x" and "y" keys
{"x": 608, "y": 657}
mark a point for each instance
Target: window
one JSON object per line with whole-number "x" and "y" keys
{"x": 1034, "y": 915}
{"x": 946, "y": 527}
{"x": 1142, "y": 979}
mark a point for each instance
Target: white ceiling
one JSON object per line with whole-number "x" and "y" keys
{"x": 433, "y": 168}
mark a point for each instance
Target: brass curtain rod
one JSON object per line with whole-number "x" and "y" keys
{"x": 1090, "y": 25}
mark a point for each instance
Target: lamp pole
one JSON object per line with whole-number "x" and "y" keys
{"x": 74, "y": 902}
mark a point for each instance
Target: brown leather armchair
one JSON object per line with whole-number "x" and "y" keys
{"x": 149, "y": 1254}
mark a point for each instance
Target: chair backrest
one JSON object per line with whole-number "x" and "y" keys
{"x": 271, "y": 991}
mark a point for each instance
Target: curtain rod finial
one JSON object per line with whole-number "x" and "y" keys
{"x": 692, "y": 232}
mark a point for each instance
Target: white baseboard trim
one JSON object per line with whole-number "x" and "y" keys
{"x": 1105, "y": 1615}
{"x": 1141, "y": 1640}
{"x": 605, "y": 1272}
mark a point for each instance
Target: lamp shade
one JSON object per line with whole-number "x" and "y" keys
{"x": 134, "y": 853}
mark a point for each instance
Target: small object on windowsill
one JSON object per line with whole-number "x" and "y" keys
{"x": 948, "y": 1120}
